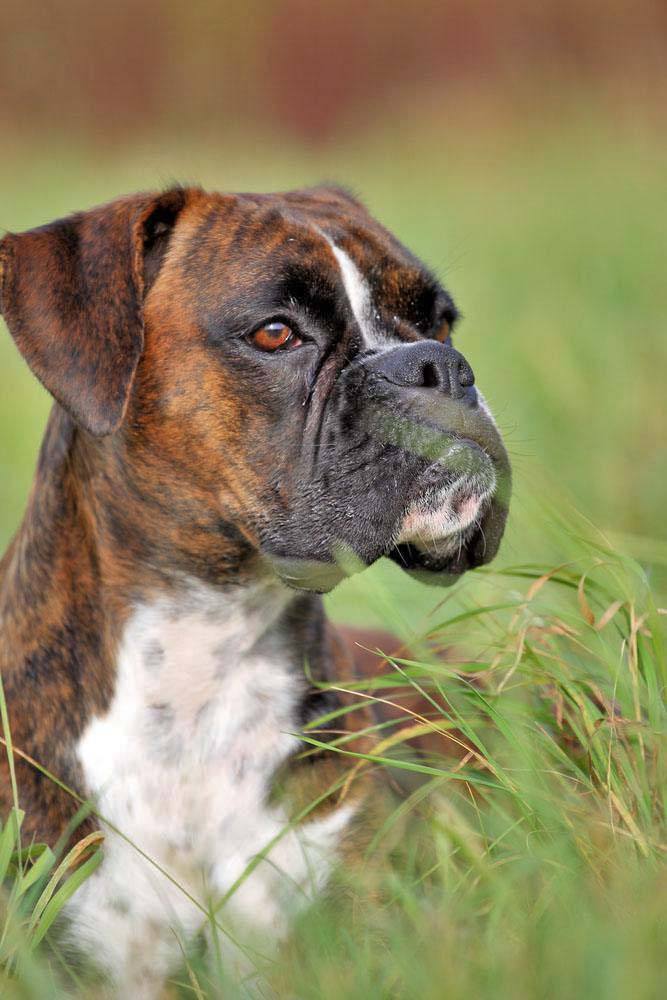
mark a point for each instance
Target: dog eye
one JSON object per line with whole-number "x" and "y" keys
{"x": 275, "y": 337}
{"x": 443, "y": 333}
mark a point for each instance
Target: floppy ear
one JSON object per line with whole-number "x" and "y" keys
{"x": 72, "y": 295}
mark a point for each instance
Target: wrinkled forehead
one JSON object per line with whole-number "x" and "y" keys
{"x": 312, "y": 248}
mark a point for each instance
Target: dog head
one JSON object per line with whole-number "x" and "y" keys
{"x": 269, "y": 374}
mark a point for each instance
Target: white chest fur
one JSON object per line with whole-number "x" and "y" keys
{"x": 181, "y": 765}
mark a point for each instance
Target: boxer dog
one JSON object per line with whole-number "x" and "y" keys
{"x": 255, "y": 395}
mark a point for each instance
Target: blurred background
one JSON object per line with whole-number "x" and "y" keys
{"x": 519, "y": 148}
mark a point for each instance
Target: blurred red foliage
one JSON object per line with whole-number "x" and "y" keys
{"x": 314, "y": 68}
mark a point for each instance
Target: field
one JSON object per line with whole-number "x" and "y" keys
{"x": 538, "y": 870}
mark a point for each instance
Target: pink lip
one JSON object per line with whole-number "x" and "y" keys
{"x": 462, "y": 513}
{"x": 467, "y": 507}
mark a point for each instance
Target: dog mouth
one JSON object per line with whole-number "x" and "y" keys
{"x": 452, "y": 498}
{"x": 433, "y": 500}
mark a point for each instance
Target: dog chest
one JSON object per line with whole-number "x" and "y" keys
{"x": 181, "y": 765}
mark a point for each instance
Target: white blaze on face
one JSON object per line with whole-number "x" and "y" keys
{"x": 356, "y": 288}
{"x": 358, "y": 294}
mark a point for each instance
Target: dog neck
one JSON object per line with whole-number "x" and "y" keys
{"x": 91, "y": 551}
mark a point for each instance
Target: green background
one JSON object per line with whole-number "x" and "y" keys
{"x": 551, "y": 237}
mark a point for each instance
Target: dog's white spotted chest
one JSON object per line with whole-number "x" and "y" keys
{"x": 181, "y": 764}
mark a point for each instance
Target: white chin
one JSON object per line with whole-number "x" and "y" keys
{"x": 438, "y": 529}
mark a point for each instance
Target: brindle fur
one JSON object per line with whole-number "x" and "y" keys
{"x": 159, "y": 462}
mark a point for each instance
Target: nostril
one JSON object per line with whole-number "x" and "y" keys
{"x": 430, "y": 375}
{"x": 460, "y": 376}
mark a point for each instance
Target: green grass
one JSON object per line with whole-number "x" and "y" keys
{"x": 543, "y": 873}
{"x": 535, "y": 869}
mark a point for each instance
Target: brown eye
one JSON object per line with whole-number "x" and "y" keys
{"x": 275, "y": 337}
{"x": 443, "y": 333}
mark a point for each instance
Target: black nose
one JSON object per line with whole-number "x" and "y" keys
{"x": 426, "y": 364}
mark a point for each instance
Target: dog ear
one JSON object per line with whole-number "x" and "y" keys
{"x": 72, "y": 295}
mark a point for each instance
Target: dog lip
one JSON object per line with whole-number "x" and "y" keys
{"x": 465, "y": 465}
{"x": 451, "y": 495}
{"x": 437, "y": 523}
{"x": 466, "y": 506}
